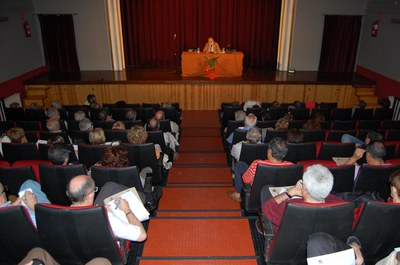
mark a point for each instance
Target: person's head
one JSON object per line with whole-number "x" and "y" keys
{"x": 375, "y": 153}
{"x": 361, "y": 104}
{"x": 137, "y": 135}
{"x": 317, "y": 183}
{"x": 394, "y": 180}
{"x": 373, "y": 137}
{"x": 85, "y": 125}
{"x": 115, "y": 156}
{"x": 53, "y": 113}
{"x": 153, "y": 124}
{"x": 59, "y": 154}
{"x": 53, "y": 125}
{"x": 97, "y": 136}
{"x": 34, "y": 105}
{"x": 130, "y": 115}
{"x": 94, "y": 105}
{"x": 275, "y": 104}
{"x": 250, "y": 120}
{"x": 240, "y": 115}
{"x": 295, "y": 136}
{"x": 103, "y": 115}
{"x": 81, "y": 190}
{"x": 91, "y": 98}
{"x": 282, "y": 124}
{"x": 385, "y": 103}
{"x": 318, "y": 117}
{"x": 55, "y": 139}
{"x": 277, "y": 150}
{"x": 210, "y": 40}
{"x": 253, "y": 135}
{"x": 118, "y": 126}
{"x": 3, "y": 196}
{"x": 17, "y": 135}
{"x": 160, "y": 115}
{"x": 56, "y": 104}
{"x": 14, "y": 105}
{"x": 79, "y": 115}
{"x": 298, "y": 105}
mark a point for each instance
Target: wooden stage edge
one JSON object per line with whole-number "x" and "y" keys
{"x": 199, "y": 93}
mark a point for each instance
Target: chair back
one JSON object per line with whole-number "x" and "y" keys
{"x": 47, "y": 135}
{"x": 343, "y": 178}
{"x": 13, "y": 152}
{"x": 383, "y": 114}
{"x": 44, "y": 152}
{"x": 370, "y": 125}
{"x": 35, "y": 114}
{"x": 90, "y": 154}
{"x": 119, "y": 114}
{"x": 329, "y": 150}
{"x": 228, "y": 113}
{"x": 165, "y": 125}
{"x": 277, "y": 176}
{"x": 79, "y": 137}
{"x": 116, "y": 135}
{"x": 336, "y": 136}
{"x": 54, "y": 180}
{"x": 375, "y": 179}
{"x": 389, "y": 124}
{"x": 363, "y": 114}
{"x": 393, "y": 135}
{"x": 343, "y": 114}
{"x": 324, "y": 111}
{"x": 300, "y": 114}
{"x": 232, "y": 126}
{"x": 239, "y": 135}
{"x": 301, "y": 220}
{"x": 277, "y": 113}
{"x": 172, "y": 114}
{"x": 301, "y": 151}
{"x": 18, "y": 234}
{"x": 28, "y": 125}
{"x": 76, "y": 235}
{"x": 127, "y": 176}
{"x": 251, "y": 152}
{"x": 34, "y": 164}
{"x": 130, "y": 124}
{"x": 12, "y": 178}
{"x": 6, "y": 125}
{"x": 157, "y": 137}
{"x": 269, "y": 135}
{"x": 344, "y": 125}
{"x": 313, "y": 136}
{"x": 14, "y": 114}
{"x": 377, "y": 229}
{"x": 144, "y": 114}
{"x": 105, "y": 125}
{"x": 296, "y": 124}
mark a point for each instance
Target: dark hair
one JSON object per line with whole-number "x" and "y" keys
{"x": 103, "y": 115}
{"x": 298, "y": 105}
{"x": 395, "y": 180}
{"x": 361, "y": 104}
{"x": 376, "y": 149}
{"x": 375, "y": 137}
{"x": 278, "y": 148}
{"x": 385, "y": 103}
{"x": 115, "y": 156}
{"x": 79, "y": 195}
{"x": 58, "y": 153}
{"x": 295, "y": 136}
{"x": 90, "y": 98}
{"x": 153, "y": 125}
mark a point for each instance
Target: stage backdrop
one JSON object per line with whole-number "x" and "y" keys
{"x": 154, "y": 29}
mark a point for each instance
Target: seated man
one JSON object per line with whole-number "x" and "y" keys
{"x": 315, "y": 188}
{"x": 59, "y": 154}
{"x": 160, "y": 115}
{"x": 394, "y": 180}
{"x": 249, "y": 122}
{"x": 170, "y": 140}
{"x": 130, "y": 115}
{"x": 81, "y": 190}
{"x": 211, "y": 46}
{"x": 253, "y": 136}
{"x": 277, "y": 151}
{"x": 371, "y": 137}
{"x": 28, "y": 200}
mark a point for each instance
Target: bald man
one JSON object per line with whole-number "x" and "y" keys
{"x": 81, "y": 190}
{"x": 211, "y": 46}
{"x": 160, "y": 115}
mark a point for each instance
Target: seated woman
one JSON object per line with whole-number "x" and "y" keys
{"x": 14, "y": 135}
{"x": 97, "y": 136}
{"x": 118, "y": 126}
{"x": 115, "y": 156}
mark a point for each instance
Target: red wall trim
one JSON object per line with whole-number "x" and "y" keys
{"x": 16, "y": 84}
{"x": 384, "y": 86}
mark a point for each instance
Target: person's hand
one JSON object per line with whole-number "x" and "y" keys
{"x": 123, "y": 205}
{"x": 358, "y": 153}
{"x": 17, "y": 202}
{"x": 30, "y": 200}
{"x": 296, "y": 190}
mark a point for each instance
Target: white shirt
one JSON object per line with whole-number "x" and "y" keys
{"x": 236, "y": 149}
{"x": 250, "y": 104}
{"x": 123, "y": 229}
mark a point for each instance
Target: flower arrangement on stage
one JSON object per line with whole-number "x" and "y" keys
{"x": 211, "y": 67}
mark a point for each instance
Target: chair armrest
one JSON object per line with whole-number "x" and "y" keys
{"x": 268, "y": 235}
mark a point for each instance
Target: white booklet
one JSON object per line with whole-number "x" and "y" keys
{"x": 345, "y": 257}
{"x": 135, "y": 203}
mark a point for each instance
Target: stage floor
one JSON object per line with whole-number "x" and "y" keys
{"x": 171, "y": 75}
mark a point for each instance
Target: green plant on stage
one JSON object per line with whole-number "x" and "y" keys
{"x": 212, "y": 63}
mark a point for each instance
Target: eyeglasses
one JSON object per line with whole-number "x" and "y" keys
{"x": 96, "y": 189}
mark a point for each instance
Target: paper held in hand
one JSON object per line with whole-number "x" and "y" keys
{"x": 135, "y": 204}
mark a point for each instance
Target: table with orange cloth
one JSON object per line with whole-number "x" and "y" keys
{"x": 228, "y": 64}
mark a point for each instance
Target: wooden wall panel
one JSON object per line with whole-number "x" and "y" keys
{"x": 201, "y": 96}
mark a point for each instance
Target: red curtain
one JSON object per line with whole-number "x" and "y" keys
{"x": 59, "y": 45}
{"x": 340, "y": 43}
{"x": 250, "y": 26}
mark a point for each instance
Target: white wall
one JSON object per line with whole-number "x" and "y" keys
{"x": 18, "y": 54}
{"x": 309, "y": 27}
{"x": 91, "y": 29}
{"x": 382, "y": 53}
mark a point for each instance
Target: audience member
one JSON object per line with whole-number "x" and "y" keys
{"x": 277, "y": 151}
{"x": 53, "y": 126}
{"x": 55, "y": 139}
{"x": 371, "y": 137}
{"x": 97, "y": 136}
{"x": 79, "y": 115}
{"x": 13, "y": 135}
{"x": 85, "y": 125}
{"x": 53, "y": 114}
{"x": 14, "y": 105}
{"x": 89, "y": 99}
{"x": 58, "y": 154}
{"x": 282, "y": 124}
{"x": 28, "y": 200}
{"x": 253, "y": 136}
{"x": 294, "y": 136}
{"x": 115, "y": 156}
{"x": 160, "y": 115}
{"x": 137, "y": 135}
{"x": 211, "y": 46}
{"x": 251, "y": 104}
{"x": 94, "y": 105}
{"x": 81, "y": 191}
{"x": 119, "y": 126}
{"x": 34, "y": 105}
{"x": 170, "y": 140}
{"x": 105, "y": 116}
{"x": 130, "y": 115}
{"x": 394, "y": 180}
{"x": 249, "y": 122}
{"x": 315, "y": 187}
{"x": 56, "y": 104}
{"x": 385, "y": 103}
{"x": 240, "y": 115}
{"x": 375, "y": 153}
{"x": 314, "y": 123}
{"x": 39, "y": 256}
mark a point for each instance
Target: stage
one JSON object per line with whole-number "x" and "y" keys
{"x": 198, "y": 93}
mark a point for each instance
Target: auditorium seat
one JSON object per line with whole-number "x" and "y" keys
{"x": 325, "y": 111}
{"x": 300, "y": 114}
{"x": 32, "y": 136}
{"x": 277, "y": 113}
{"x": 326, "y": 125}
{"x": 344, "y": 125}
{"x": 18, "y": 234}
{"x": 14, "y": 151}
{"x": 329, "y": 150}
{"x": 228, "y": 113}
{"x": 119, "y": 114}
{"x": 6, "y": 125}
{"x": 28, "y": 125}
{"x": 105, "y": 125}
{"x": 363, "y": 114}
{"x": 157, "y": 137}
{"x": 343, "y": 178}
{"x": 173, "y": 114}
{"x": 390, "y": 151}
{"x": 393, "y": 135}
{"x": 232, "y": 126}
{"x": 73, "y": 125}
{"x": 71, "y": 109}
{"x": 238, "y": 136}
{"x": 251, "y": 152}
{"x": 44, "y": 152}
{"x": 54, "y": 181}
{"x": 12, "y": 178}
{"x": 144, "y": 114}
{"x": 389, "y": 125}
{"x": 151, "y": 105}
{"x": 34, "y": 164}
{"x": 313, "y": 136}
{"x": 336, "y": 136}
{"x": 266, "y": 124}
{"x": 130, "y": 124}
{"x": 43, "y": 135}
{"x": 290, "y": 243}
{"x": 297, "y": 124}
{"x": 116, "y": 136}
{"x": 377, "y": 229}
{"x": 277, "y": 176}
{"x": 371, "y": 125}
{"x": 14, "y": 114}
{"x": 325, "y": 163}
{"x": 90, "y": 154}
{"x": 301, "y": 151}
{"x": 75, "y": 235}
{"x": 165, "y": 125}
{"x": 383, "y": 114}
{"x": 35, "y": 114}
{"x": 271, "y": 134}
{"x": 79, "y": 137}
{"x": 94, "y": 113}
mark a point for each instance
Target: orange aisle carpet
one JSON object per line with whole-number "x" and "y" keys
{"x": 196, "y": 223}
